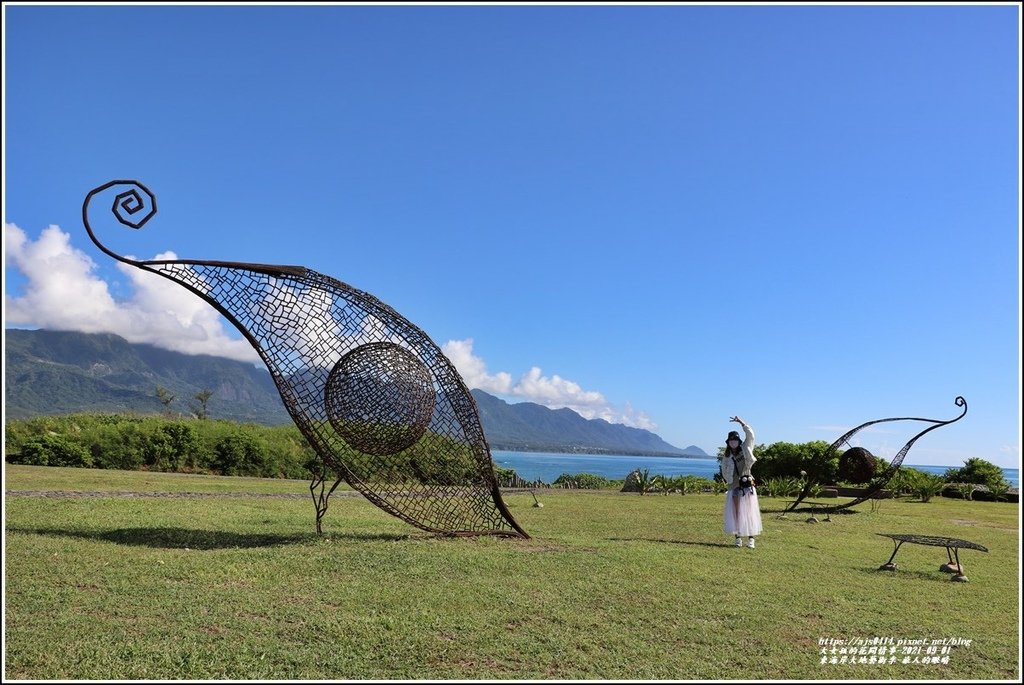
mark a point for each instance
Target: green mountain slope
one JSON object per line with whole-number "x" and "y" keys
{"x": 60, "y": 372}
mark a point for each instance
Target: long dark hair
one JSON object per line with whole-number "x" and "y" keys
{"x": 730, "y": 452}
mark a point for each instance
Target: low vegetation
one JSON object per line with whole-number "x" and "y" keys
{"x": 132, "y": 441}
{"x": 221, "y": 447}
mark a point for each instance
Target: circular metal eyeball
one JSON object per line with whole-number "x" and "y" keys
{"x": 380, "y": 398}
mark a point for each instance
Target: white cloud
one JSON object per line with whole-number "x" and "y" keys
{"x": 62, "y": 292}
{"x": 473, "y": 369}
{"x": 553, "y": 391}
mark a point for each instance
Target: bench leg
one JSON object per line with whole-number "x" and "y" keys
{"x": 950, "y": 566}
{"x": 959, "y": 577}
{"x": 889, "y": 566}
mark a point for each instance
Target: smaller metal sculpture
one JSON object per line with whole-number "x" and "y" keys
{"x": 880, "y": 480}
{"x": 952, "y": 545}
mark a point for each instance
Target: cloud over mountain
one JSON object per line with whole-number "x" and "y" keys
{"x": 63, "y": 292}
{"x": 553, "y": 391}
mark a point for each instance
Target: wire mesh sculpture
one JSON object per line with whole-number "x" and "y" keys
{"x": 378, "y": 401}
{"x": 880, "y": 480}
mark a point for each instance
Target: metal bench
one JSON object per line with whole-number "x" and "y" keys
{"x": 952, "y": 545}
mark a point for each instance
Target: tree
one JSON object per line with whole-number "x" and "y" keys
{"x": 203, "y": 398}
{"x": 165, "y": 397}
{"x": 788, "y": 460}
{"x": 977, "y": 470}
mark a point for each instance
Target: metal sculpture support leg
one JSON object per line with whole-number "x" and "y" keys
{"x": 316, "y": 489}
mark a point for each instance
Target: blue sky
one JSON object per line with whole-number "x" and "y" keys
{"x": 659, "y": 215}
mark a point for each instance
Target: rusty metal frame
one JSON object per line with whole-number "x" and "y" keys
{"x": 377, "y": 400}
{"x": 880, "y": 480}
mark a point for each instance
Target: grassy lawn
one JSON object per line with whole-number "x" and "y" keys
{"x": 611, "y": 586}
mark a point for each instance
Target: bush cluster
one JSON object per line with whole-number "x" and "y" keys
{"x": 583, "y": 481}
{"x": 132, "y": 442}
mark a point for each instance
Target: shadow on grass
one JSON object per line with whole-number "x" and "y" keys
{"x": 674, "y": 542}
{"x": 179, "y": 538}
{"x": 902, "y": 573}
{"x": 802, "y": 510}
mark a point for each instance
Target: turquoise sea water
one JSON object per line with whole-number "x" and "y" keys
{"x": 547, "y": 466}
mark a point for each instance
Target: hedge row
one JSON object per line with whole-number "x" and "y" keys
{"x": 131, "y": 442}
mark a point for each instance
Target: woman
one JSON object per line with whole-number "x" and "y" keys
{"x": 742, "y": 511}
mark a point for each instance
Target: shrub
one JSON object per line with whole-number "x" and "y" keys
{"x": 502, "y": 474}
{"x": 582, "y": 481}
{"x": 54, "y": 450}
{"x": 131, "y": 441}
{"x": 966, "y": 490}
{"x": 241, "y": 454}
{"x": 123, "y": 446}
{"x": 905, "y": 480}
{"x": 786, "y": 459}
{"x": 640, "y": 481}
{"x": 692, "y": 483}
{"x": 666, "y": 484}
{"x": 33, "y": 453}
{"x": 928, "y": 485}
{"x": 976, "y": 470}
{"x": 1000, "y": 491}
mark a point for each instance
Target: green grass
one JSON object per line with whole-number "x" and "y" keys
{"x": 18, "y": 477}
{"x": 610, "y": 587}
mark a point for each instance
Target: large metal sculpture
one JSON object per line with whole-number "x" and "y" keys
{"x": 379, "y": 402}
{"x": 880, "y": 480}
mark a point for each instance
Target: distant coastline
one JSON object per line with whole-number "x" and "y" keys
{"x": 591, "y": 451}
{"x": 547, "y": 466}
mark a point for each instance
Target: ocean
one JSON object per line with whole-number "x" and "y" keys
{"x": 547, "y": 466}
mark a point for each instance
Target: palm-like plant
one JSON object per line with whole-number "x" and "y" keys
{"x": 644, "y": 480}
{"x": 691, "y": 483}
{"x": 665, "y": 484}
{"x": 904, "y": 481}
{"x": 791, "y": 486}
{"x": 769, "y": 488}
{"x": 928, "y": 485}
{"x": 999, "y": 491}
{"x": 966, "y": 490}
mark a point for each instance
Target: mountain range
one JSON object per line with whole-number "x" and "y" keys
{"x": 63, "y": 372}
